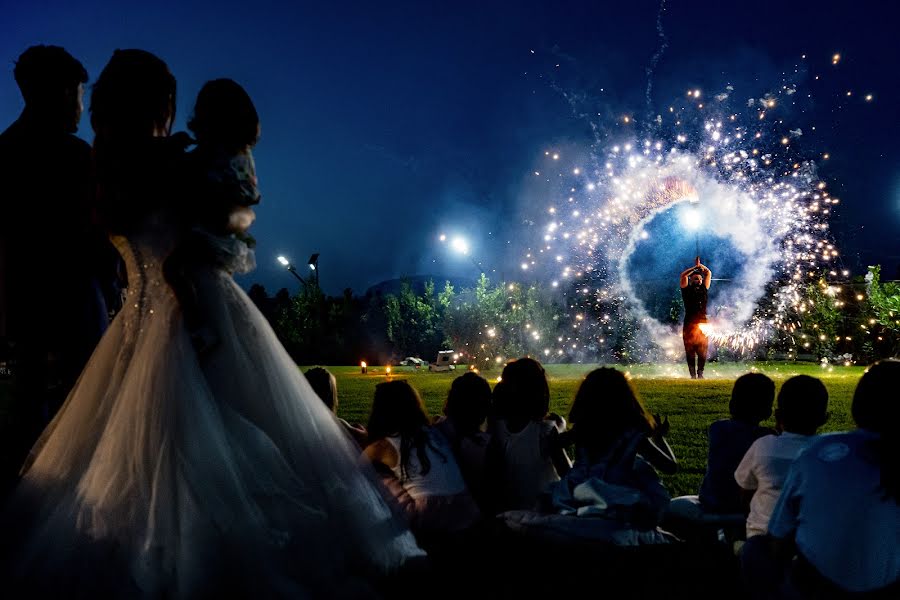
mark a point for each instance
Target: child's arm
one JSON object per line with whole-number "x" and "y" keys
{"x": 745, "y": 476}
{"x": 382, "y": 451}
{"x": 656, "y": 450}
{"x": 239, "y": 219}
{"x": 558, "y": 454}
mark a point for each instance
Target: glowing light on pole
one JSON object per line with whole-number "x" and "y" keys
{"x": 293, "y": 271}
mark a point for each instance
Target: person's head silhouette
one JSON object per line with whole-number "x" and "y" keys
{"x": 52, "y": 84}
{"x": 132, "y": 110}
{"x": 224, "y": 115}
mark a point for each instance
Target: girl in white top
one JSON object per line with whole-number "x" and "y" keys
{"x": 421, "y": 460}
{"x": 525, "y": 456}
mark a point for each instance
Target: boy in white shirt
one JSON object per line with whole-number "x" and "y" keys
{"x": 801, "y": 409}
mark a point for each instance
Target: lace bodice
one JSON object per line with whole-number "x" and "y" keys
{"x": 145, "y": 251}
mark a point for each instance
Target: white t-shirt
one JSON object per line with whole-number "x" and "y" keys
{"x": 442, "y": 479}
{"x": 527, "y": 466}
{"x": 764, "y": 469}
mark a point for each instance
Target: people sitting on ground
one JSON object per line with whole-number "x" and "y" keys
{"x": 324, "y": 385}
{"x": 465, "y": 412}
{"x": 801, "y": 409}
{"x": 612, "y": 494}
{"x": 525, "y": 454}
{"x": 436, "y": 500}
{"x": 617, "y": 445}
{"x": 720, "y": 502}
{"x": 838, "y": 516}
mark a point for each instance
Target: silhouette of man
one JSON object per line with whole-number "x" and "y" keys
{"x": 53, "y": 261}
{"x": 695, "y": 281}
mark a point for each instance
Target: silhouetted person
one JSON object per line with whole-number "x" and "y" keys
{"x": 694, "y": 283}
{"x": 52, "y": 260}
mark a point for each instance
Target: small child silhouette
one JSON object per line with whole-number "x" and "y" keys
{"x": 220, "y": 181}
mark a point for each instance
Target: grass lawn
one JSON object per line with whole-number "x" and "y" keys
{"x": 691, "y": 405}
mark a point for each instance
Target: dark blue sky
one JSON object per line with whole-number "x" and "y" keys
{"x": 384, "y": 124}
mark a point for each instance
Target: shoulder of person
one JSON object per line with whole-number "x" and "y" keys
{"x": 721, "y": 425}
{"x": 836, "y": 447}
{"x": 383, "y": 451}
{"x": 721, "y": 431}
{"x": 765, "y": 441}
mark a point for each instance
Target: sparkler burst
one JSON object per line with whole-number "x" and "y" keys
{"x": 737, "y": 180}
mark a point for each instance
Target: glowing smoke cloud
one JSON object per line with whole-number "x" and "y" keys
{"x": 751, "y": 190}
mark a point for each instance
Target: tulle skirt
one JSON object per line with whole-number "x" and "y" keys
{"x": 166, "y": 474}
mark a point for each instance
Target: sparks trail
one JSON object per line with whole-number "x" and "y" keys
{"x": 754, "y": 192}
{"x": 654, "y": 60}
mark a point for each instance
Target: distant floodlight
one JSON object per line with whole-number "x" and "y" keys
{"x": 460, "y": 245}
{"x": 443, "y": 238}
{"x": 284, "y": 262}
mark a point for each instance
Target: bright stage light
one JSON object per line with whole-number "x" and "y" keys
{"x": 460, "y": 245}
{"x": 284, "y": 262}
{"x": 691, "y": 219}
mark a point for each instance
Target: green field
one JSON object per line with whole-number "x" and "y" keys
{"x": 691, "y": 405}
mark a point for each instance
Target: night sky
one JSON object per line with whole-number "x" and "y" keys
{"x": 385, "y": 124}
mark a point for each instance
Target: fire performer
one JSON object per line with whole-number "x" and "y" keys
{"x": 694, "y": 283}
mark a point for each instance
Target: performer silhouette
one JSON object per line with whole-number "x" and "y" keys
{"x": 695, "y": 281}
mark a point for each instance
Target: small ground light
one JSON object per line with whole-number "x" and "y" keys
{"x": 387, "y": 370}
{"x": 363, "y": 367}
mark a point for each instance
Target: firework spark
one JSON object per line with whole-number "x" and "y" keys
{"x": 754, "y": 190}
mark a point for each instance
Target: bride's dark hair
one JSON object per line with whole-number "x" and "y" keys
{"x": 132, "y": 103}
{"x": 133, "y": 97}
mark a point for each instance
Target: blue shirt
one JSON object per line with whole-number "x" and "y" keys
{"x": 834, "y": 508}
{"x": 729, "y": 440}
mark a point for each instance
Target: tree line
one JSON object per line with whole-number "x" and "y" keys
{"x": 855, "y": 321}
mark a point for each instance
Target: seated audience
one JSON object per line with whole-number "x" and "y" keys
{"x": 465, "y": 411}
{"x": 720, "y": 501}
{"x": 839, "y": 511}
{"x": 402, "y": 441}
{"x": 617, "y": 445}
{"x": 801, "y": 410}
{"x": 525, "y": 455}
{"x": 324, "y": 385}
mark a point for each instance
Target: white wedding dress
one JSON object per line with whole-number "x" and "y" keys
{"x": 165, "y": 475}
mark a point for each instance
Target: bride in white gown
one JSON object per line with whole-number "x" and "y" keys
{"x": 162, "y": 476}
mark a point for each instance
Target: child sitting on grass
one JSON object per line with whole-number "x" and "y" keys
{"x": 802, "y": 409}
{"x": 525, "y": 454}
{"x": 719, "y": 501}
{"x": 324, "y": 385}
